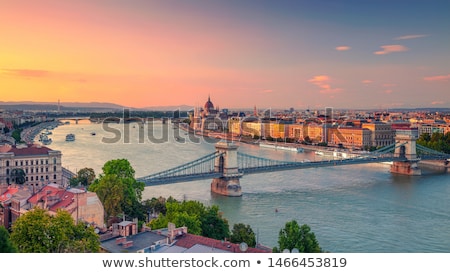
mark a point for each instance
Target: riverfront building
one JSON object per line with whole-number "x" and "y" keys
{"x": 38, "y": 165}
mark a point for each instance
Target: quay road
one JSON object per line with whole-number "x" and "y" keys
{"x": 28, "y": 134}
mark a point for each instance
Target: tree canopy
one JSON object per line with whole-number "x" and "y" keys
{"x": 436, "y": 141}
{"x": 118, "y": 190}
{"x": 243, "y": 233}
{"x": 199, "y": 219}
{"x": 84, "y": 177}
{"x": 6, "y": 246}
{"x": 18, "y": 175}
{"x": 299, "y": 237}
{"x": 39, "y": 232}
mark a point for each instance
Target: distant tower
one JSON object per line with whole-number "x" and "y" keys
{"x": 255, "y": 113}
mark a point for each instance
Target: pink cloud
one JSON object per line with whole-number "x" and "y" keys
{"x": 407, "y": 37}
{"x": 443, "y": 78}
{"x": 342, "y": 48}
{"x": 323, "y": 81}
{"x": 267, "y": 91}
{"x": 437, "y": 102}
{"x": 388, "y": 91}
{"x": 367, "y": 81}
{"x": 390, "y": 49}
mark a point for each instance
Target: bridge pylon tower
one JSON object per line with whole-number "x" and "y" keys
{"x": 405, "y": 151}
{"x": 226, "y": 163}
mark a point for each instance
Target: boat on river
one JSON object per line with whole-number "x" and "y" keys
{"x": 70, "y": 137}
{"x": 281, "y": 147}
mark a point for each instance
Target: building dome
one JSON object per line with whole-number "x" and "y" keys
{"x": 209, "y": 105}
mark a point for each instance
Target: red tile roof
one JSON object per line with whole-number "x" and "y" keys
{"x": 189, "y": 240}
{"x": 64, "y": 198}
{"x": 30, "y": 149}
{"x": 8, "y": 194}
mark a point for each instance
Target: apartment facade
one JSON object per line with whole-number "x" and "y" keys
{"x": 40, "y": 164}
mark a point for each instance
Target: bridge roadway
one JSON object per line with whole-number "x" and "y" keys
{"x": 162, "y": 178}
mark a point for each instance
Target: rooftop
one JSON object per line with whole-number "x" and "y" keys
{"x": 24, "y": 149}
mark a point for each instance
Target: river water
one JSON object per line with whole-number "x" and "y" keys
{"x": 351, "y": 209}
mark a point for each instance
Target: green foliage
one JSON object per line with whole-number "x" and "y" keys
{"x": 16, "y": 135}
{"x": 6, "y": 246}
{"x": 38, "y": 232}
{"x": 295, "y": 236}
{"x": 214, "y": 225}
{"x": 243, "y": 233}
{"x": 84, "y": 177}
{"x": 118, "y": 190}
{"x": 155, "y": 205}
{"x": 436, "y": 141}
{"x": 200, "y": 220}
{"x": 18, "y": 176}
{"x": 110, "y": 190}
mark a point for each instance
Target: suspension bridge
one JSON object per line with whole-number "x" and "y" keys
{"x": 226, "y": 165}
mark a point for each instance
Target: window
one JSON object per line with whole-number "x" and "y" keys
{"x": 7, "y": 163}
{"x": 54, "y": 160}
{"x": 54, "y": 168}
{"x": 54, "y": 176}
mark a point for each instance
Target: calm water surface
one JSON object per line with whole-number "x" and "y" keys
{"x": 357, "y": 209}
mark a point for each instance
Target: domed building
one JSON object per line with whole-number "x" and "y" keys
{"x": 207, "y": 118}
{"x": 209, "y": 106}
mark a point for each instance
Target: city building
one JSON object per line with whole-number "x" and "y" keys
{"x": 382, "y": 133}
{"x": 209, "y": 118}
{"x": 82, "y": 205}
{"x": 39, "y": 164}
{"x": 168, "y": 240}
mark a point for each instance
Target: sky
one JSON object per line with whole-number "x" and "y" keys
{"x": 375, "y": 54}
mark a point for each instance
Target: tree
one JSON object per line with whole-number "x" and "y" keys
{"x": 18, "y": 176}
{"x": 84, "y": 177}
{"x": 243, "y": 233}
{"x": 214, "y": 225}
{"x": 6, "y": 246}
{"x": 38, "y": 232}
{"x": 110, "y": 191}
{"x": 299, "y": 237}
{"x": 118, "y": 189}
{"x": 200, "y": 220}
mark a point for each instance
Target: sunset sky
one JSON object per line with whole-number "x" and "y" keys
{"x": 243, "y": 53}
